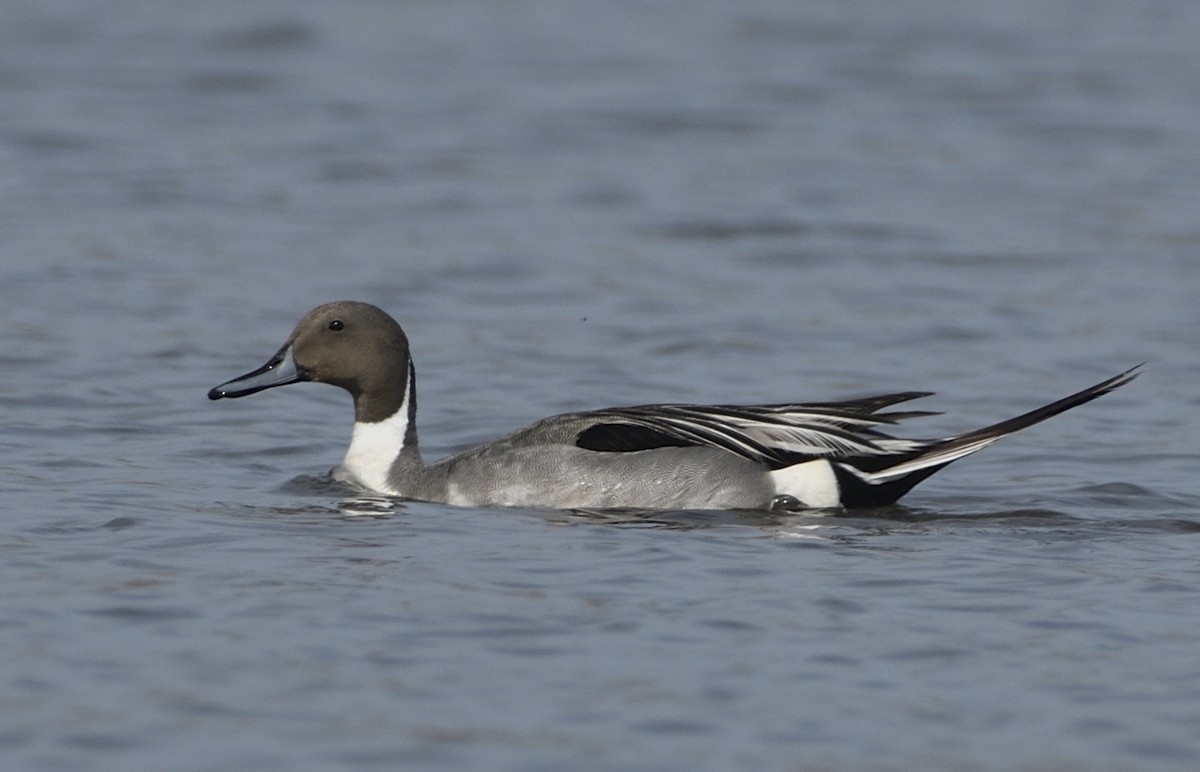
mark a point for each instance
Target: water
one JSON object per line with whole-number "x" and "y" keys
{"x": 573, "y": 206}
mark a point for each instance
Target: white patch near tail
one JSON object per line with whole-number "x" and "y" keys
{"x": 812, "y": 483}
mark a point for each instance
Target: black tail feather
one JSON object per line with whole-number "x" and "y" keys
{"x": 1048, "y": 411}
{"x": 865, "y": 482}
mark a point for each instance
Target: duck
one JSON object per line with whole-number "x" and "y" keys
{"x": 795, "y": 456}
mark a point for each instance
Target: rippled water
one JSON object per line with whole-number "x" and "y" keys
{"x": 572, "y": 206}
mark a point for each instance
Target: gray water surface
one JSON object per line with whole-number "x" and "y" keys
{"x": 571, "y": 206}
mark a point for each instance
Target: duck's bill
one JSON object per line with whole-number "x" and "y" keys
{"x": 280, "y": 371}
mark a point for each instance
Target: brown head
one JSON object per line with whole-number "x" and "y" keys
{"x": 356, "y": 346}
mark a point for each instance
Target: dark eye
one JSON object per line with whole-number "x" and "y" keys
{"x": 336, "y": 325}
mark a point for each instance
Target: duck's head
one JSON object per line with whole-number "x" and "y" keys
{"x": 356, "y": 346}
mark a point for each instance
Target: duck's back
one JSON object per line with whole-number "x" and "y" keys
{"x": 543, "y": 466}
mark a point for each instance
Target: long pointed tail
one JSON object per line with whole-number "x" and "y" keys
{"x": 888, "y": 482}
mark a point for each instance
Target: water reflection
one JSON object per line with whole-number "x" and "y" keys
{"x": 344, "y": 502}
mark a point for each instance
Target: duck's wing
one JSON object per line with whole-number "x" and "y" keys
{"x": 776, "y": 435}
{"x": 871, "y": 467}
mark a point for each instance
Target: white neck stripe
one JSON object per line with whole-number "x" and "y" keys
{"x": 374, "y": 447}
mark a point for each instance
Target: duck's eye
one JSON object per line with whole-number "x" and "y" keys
{"x": 337, "y": 325}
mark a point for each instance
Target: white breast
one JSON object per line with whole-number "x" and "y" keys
{"x": 373, "y": 448}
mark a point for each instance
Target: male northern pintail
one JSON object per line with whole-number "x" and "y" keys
{"x": 814, "y": 455}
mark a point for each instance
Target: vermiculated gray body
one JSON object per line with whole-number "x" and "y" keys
{"x": 523, "y": 469}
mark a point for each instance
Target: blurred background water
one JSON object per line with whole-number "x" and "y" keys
{"x": 573, "y": 205}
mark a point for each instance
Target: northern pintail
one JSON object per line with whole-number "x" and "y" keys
{"x": 813, "y": 455}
